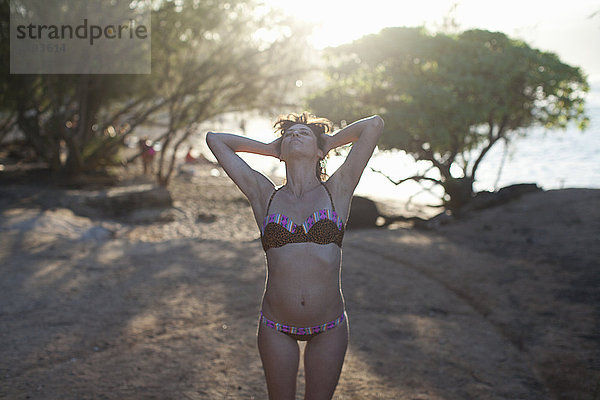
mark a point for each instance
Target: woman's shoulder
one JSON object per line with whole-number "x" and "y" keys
{"x": 340, "y": 195}
{"x": 266, "y": 189}
{"x": 335, "y": 186}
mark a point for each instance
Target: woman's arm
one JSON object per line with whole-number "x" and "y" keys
{"x": 364, "y": 135}
{"x": 244, "y": 144}
{"x": 224, "y": 147}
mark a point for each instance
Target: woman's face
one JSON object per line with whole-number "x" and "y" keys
{"x": 300, "y": 140}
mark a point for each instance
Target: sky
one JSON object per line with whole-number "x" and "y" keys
{"x": 567, "y": 28}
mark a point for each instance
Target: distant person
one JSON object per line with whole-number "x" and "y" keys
{"x": 302, "y": 226}
{"x": 191, "y": 159}
{"x": 147, "y": 154}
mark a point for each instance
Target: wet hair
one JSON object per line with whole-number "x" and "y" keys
{"x": 317, "y": 125}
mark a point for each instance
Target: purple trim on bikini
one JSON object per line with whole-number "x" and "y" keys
{"x": 291, "y": 226}
{"x": 318, "y": 215}
{"x": 301, "y": 331}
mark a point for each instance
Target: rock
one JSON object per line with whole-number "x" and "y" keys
{"x": 363, "y": 213}
{"x": 486, "y": 199}
{"x": 89, "y": 181}
{"x": 433, "y": 223}
{"x": 116, "y": 202}
{"x": 96, "y": 233}
{"x": 59, "y": 223}
{"x": 517, "y": 190}
{"x": 204, "y": 217}
{"x": 150, "y": 215}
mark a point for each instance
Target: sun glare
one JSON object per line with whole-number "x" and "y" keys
{"x": 338, "y": 22}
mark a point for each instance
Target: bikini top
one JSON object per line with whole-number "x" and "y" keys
{"x": 321, "y": 227}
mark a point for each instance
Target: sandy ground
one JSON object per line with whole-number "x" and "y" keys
{"x": 504, "y": 304}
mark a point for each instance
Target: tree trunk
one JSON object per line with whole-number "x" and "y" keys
{"x": 80, "y": 159}
{"x": 459, "y": 192}
{"x": 41, "y": 143}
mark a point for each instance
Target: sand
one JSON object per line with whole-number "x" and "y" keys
{"x": 503, "y": 304}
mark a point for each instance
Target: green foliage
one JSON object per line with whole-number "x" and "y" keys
{"x": 72, "y": 109}
{"x": 208, "y": 57}
{"x": 220, "y": 57}
{"x": 446, "y": 97}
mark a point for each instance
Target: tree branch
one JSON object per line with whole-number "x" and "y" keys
{"x": 416, "y": 178}
{"x": 443, "y": 168}
{"x": 423, "y": 189}
{"x": 492, "y": 140}
{"x": 7, "y": 124}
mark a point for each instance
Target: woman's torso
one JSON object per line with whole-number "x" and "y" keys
{"x": 303, "y": 285}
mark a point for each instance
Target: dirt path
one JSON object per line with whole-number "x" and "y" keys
{"x": 466, "y": 312}
{"x": 177, "y": 320}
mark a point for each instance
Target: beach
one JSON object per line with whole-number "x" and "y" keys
{"x": 501, "y": 304}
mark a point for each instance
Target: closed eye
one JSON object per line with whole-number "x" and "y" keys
{"x": 302, "y": 132}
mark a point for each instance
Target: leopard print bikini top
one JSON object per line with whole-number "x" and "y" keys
{"x": 321, "y": 227}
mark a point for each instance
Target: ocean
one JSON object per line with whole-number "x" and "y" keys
{"x": 553, "y": 159}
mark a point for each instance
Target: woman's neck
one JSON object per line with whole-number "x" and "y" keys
{"x": 300, "y": 177}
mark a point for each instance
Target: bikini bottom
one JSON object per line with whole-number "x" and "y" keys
{"x": 301, "y": 333}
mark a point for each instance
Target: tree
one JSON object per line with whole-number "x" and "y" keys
{"x": 222, "y": 59}
{"x": 76, "y": 111}
{"x": 448, "y": 98}
{"x": 208, "y": 58}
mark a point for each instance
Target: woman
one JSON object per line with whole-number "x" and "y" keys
{"x": 302, "y": 227}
